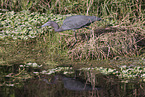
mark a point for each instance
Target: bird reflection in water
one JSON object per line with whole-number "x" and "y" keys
{"x": 72, "y": 84}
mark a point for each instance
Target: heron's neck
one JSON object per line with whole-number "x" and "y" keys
{"x": 56, "y": 27}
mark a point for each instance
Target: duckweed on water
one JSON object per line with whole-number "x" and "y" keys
{"x": 31, "y": 65}
{"x": 24, "y": 25}
{"x": 124, "y": 72}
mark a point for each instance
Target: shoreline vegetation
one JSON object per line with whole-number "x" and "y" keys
{"x": 120, "y": 36}
{"x": 115, "y": 52}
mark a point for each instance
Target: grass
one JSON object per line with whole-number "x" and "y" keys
{"x": 106, "y": 46}
{"x": 121, "y": 34}
{"x": 116, "y": 47}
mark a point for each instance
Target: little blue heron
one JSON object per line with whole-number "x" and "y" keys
{"x": 72, "y": 84}
{"x": 73, "y": 23}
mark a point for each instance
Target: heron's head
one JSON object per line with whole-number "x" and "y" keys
{"x": 49, "y": 23}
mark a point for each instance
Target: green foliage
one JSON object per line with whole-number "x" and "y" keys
{"x": 125, "y": 73}
{"x": 24, "y": 25}
{"x": 25, "y": 39}
{"x": 125, "y": 16}
{"x": 117, "y": 8}
{"x": 25, "y": 44}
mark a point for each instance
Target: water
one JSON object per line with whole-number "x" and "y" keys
{"x": 32, "y": 84}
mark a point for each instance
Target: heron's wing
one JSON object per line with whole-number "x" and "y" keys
{"x": 75, "y": 22}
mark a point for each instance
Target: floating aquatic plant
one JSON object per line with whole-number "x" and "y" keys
{"x": 24, "y": 25}
{"x": 125, "y": 72}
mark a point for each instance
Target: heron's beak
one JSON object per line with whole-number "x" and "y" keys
{"x": 46, "y": 24}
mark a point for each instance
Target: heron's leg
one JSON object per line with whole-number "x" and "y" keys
{"x": 75, "y": 37}
{"x": 91, "y": 33}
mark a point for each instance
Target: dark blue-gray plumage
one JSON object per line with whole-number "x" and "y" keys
{"x": 73, "y": 23}
{"x": 72, "y": 84}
